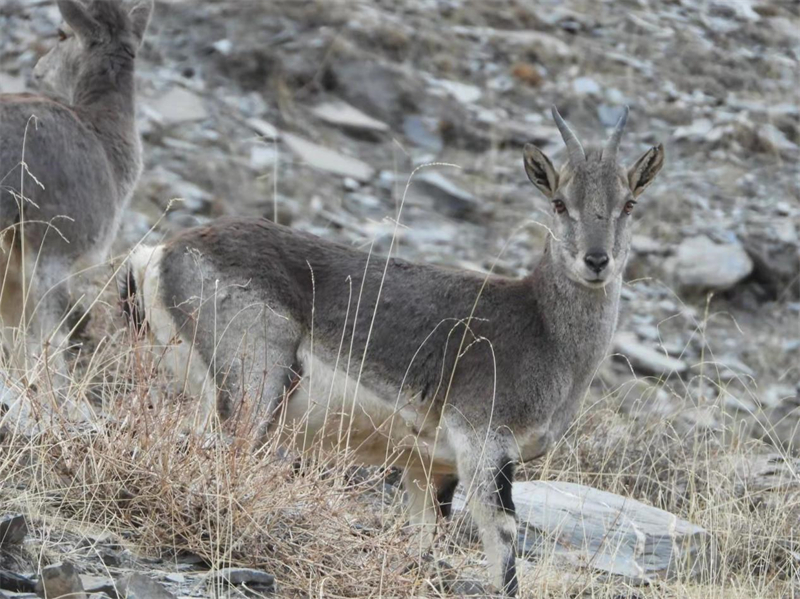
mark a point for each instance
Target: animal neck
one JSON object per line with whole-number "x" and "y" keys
{"x": 104, "y": 98}
{"x": 107, "y": 90}
{"x": 572, "y": 309}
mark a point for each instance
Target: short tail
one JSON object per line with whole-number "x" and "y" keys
{"x": 130, "y": 284}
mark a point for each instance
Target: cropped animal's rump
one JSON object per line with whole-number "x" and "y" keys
{"x": 449, "y": 374}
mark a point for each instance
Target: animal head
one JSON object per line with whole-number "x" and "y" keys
{"x": 593, "y": 198}
{"x": 97, "y": 36}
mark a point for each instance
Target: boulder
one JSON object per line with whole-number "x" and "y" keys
{"x": 60, "y": 581}
{"x": 13, "y": 530}
{"x": 702, "y": 265}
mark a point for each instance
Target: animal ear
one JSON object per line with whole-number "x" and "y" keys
{"x": 540, "y": 170}
{"x": 82, "y": 23}
{"x": 641, "y": 174}
{"x": 140, "y": 18}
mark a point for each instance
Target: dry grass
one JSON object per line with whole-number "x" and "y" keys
{"x": 323, "y": 533}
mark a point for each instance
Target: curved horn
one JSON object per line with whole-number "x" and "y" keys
{"x": 574, "y": 147}
{"x": 610, "y": 151}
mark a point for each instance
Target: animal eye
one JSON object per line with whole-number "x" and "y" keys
{"x": 559, "y": 206}
{"x": 61, "y": 35}
{"x": 629, "y": 206}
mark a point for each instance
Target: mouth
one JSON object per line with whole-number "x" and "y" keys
{"x": 595, "y": 282}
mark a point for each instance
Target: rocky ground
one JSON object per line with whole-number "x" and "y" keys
{"x": 316, "y": 113}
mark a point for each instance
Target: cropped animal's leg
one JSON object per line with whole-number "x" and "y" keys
{"x": 422, "y": 506}
{"x": 11, "y": 304}
{"x": 48, "y": 304}
{"x": 249, "y": 394}
{"x": 487, "y": 471}
{"x": 253, "y": 361}
{"x": 445, "y": 489}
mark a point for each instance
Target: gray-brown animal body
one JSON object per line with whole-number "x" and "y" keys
{"x": 450, "y": 374}
{"x": 68, "y": 160}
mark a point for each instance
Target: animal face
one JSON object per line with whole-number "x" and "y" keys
{"x": 593, "y": 199}
{"x": 94, "y": 36}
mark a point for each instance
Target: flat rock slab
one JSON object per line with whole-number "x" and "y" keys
{"x": 328, "y": 160}
{"x": 644, "y": 358}
{"x": 256, "y": 579}
{"x": 180, "y": 106}
{"x": 589, "y": 528}
{"x": 343, "y": 115}
{"x": 139, "y": 586}
{"x": 11, "y": 581}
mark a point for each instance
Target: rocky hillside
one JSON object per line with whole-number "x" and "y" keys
{"x": 315, "y": 113}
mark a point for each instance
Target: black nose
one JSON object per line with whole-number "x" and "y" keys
{"x": 596, "y": 261}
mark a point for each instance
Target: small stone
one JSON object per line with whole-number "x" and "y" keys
{"x": 542, "y": 44}
{"x": 586, "y": 86}
{"x": 350, "y": 184}
{"x": 224, "y": 47}
{"x": 262, "y": 157}
{"x": 139, "y": 586}
{"x": 60, "y": 581}
{"x": 13, "y": 530}
{"x": 346, "y": 116}
{"x": 609, "y": 115}
{"x": 644, "y": 358}
{"x": 527, "y": 73}
{"x": 776, "y": 395}
{"x": 448, "y": 198}
{"x": 423, "y": 132}
{"x": 264, "y": 128}
{"x": 462, "y": 92}
{"x": 328, "y": 160}
{"x": 178, "y": 106}
{"x": 773, "y": 139}
{"x": 697, "y": 131}
{"x": 246, "y": 576}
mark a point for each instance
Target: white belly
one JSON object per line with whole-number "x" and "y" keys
{"x": 332, "y": 411}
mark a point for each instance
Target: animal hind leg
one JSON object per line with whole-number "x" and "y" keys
{"x": 445, "y": 489}
{"x": 422, "y": 506}
{"x": 48, "y": 303}
{"x": 11, "y": 304}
